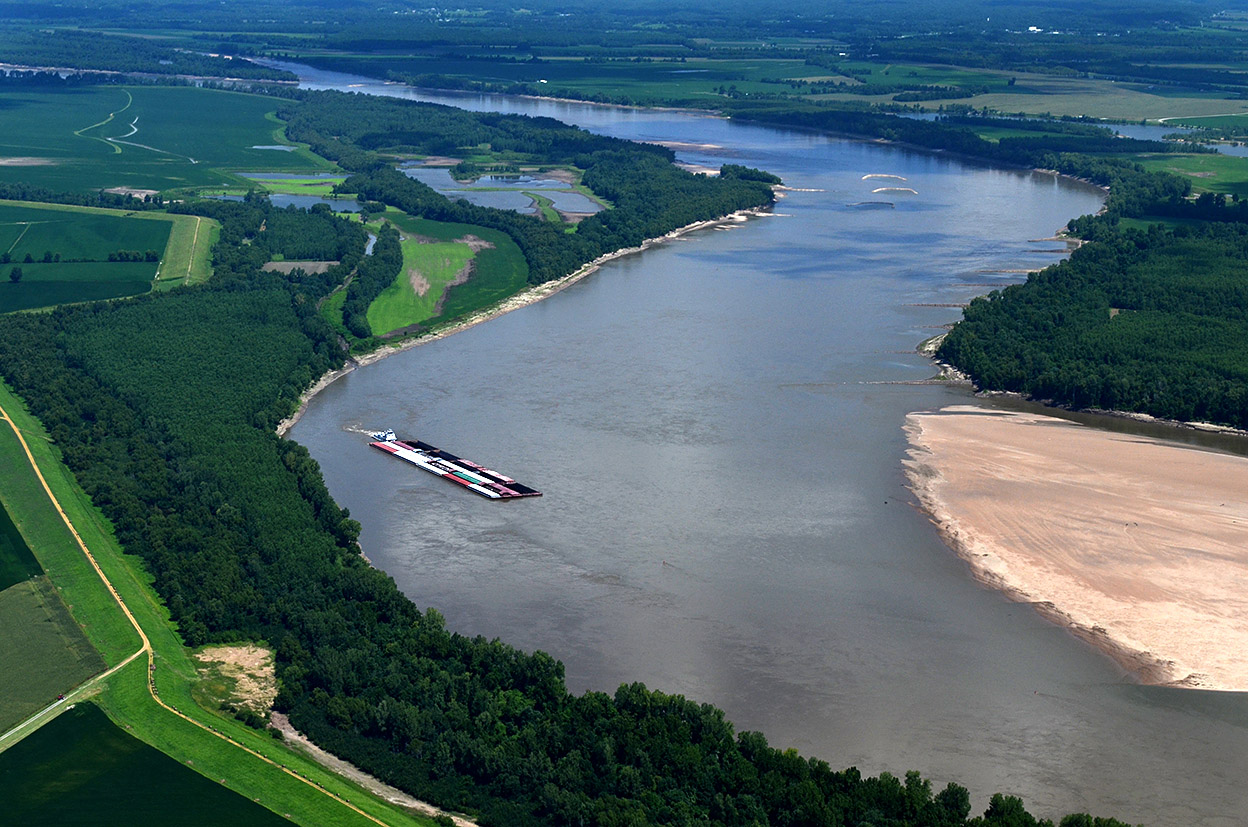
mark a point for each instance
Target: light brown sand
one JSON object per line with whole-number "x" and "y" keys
{"x": 252, "y": 670}
{"x": 1137, "y": 545}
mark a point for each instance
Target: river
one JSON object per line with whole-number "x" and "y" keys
{"x": 717, "y": 427}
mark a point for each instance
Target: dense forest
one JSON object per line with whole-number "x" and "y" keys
{"x": 1154, "y": 322}
{"x": 165, "y": 408}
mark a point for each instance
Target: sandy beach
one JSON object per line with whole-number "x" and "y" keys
{"x": 1139, "y": 546}
{"x": 521, "y": 299}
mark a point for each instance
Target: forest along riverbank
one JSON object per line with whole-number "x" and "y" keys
{"x": 521, "y": 299}
{"x": 1136, "y": 545}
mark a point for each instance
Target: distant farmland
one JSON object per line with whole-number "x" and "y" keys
{"x": 63, "y": 255}
{"x": 143, "y": 138}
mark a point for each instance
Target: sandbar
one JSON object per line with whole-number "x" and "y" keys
{"x": 1135, "y": 544}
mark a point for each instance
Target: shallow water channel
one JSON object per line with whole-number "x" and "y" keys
{"x": 717, "y": 427}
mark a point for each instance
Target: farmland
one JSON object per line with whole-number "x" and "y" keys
{"x": 195, "y": 738}
{"x": 142, "y": 138}
{"x": 70, "y": 254}
{"x": 43, "y": 651}
{"x": 83, "y": 768}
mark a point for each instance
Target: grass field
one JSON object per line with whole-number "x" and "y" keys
{"x": 500, "y": 271}
{"x": 1236, "y": 122}
{"x": 1209, "y": 173}
{"x": 157, "y": 138}
{"x": 83, "y": 238}
{"x": 433, "y": 266}
{"x": 188, "y": 256}
{"x": 299, "y": 186}
{"x": 124, "y": 695}
{"x": 43, "y": 651}
{"x": 83, "y": 769}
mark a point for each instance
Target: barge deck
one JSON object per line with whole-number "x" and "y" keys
{"x": 476, "y": 478}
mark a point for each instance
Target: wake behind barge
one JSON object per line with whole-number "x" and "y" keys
{"x": 446, "y": 465}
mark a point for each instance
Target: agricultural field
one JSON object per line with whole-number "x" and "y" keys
{"x": 1039, "y": 94}
{"x": 321, "y": 185}
{"x": 649, "y": 81}
{"x": 142, "y": 138}
{"x": 283, "y": 781}
{"x": 63, "y": 254}
{"x": 43, "y": 650}
{"x": 82, "y": 768}
{"x": 438, "y": 254}
{"x": 1209, "y": 173}
{"x": 17, "y": 564}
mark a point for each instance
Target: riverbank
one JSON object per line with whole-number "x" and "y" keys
{"x": 522, "y": 299}
{"x": 1138, "y": 546}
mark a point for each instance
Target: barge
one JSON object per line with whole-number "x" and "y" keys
{"x": 475, "y": 478}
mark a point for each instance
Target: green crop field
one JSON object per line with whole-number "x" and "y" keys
{"x": 298, "y": 186}
{"x": 83, "y": 239}
{"x": 83, "y": 769}
{"x": 43, "y": 651}
{"x": 75, "y": 234}
{"x": 147, "y": 138}
{"x": 1209, "y": 173}
{"x": 16, "y": 561}
{"x": 500, "y": 271}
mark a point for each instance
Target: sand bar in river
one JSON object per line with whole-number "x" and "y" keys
{"x": 1138, "y": 545}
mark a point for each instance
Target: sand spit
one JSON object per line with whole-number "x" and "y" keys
{"x": 522, "y": 299}
{"x": 1137, "y": 545}
{"x": 378, "y": 788}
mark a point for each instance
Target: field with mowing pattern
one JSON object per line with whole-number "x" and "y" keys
{"x": 148, "y": 138}
{"x": 43, "y": 651}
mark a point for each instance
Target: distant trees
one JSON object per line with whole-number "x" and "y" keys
{"x": 15, "y": 275}
{"x": 1154, "y": 322}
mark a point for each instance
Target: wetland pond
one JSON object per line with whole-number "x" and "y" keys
{"x": 717, "y": 427}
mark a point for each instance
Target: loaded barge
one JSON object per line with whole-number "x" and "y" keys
{"x": 446, "y": 465}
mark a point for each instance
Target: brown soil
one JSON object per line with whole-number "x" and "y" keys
{"x": 309, "y": 267}
{"x": 420, "y": 284}
{"x": 250, "y": 668}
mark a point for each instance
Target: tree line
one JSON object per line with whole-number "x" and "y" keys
{"x": 1149, "y": 321}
